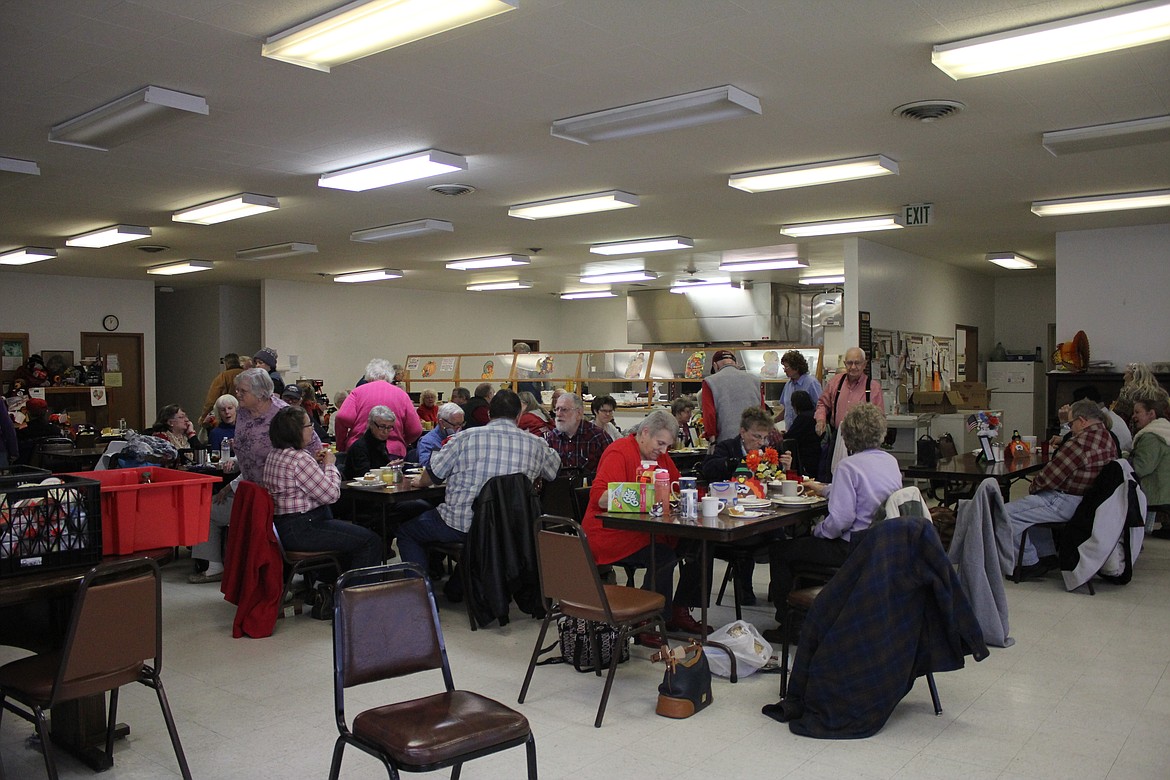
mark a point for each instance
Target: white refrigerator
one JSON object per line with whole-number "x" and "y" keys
{"x": 1018, "y": 388}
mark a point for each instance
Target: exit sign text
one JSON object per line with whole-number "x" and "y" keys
{"x": 917, "y": 214}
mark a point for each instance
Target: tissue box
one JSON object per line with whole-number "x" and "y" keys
{"x": 630, "y": 496}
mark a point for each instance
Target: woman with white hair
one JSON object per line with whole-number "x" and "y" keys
{"x": 225, "y": 420}
{"x": 369, "y": 451}
{"x": 352, "y": 418}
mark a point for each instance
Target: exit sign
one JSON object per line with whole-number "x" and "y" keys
{"x": 917, "y": 214}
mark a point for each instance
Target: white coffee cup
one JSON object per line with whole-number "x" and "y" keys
{"x": 790, "y": 488}
{"x": 776, "y": 488}
{"x": 711, "y": 506}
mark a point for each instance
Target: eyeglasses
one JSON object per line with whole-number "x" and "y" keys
{"x": 384, "y": 427}
{"x": 855, "y": 362}
{"x": 307, "y": 427}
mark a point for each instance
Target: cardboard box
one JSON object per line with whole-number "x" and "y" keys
{"x": 939, "y": 401}
{"x": 974, "y": 395}
{"x": 630, "y": 496}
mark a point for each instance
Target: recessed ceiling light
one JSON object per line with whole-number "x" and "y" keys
{"x": 246, "y": 204}
{"x": 619, "y": 277}
{"x": 580, "y": 296}
{"x": 811, "y": 174}
{"x": 116, "y": 234}
{"x": 1010, "y": 260}
{"x": 276, "y": 251}
{"x": 574, "y": 204}
{"x": 181, "y": 267}
{"x": 519, "y": 284}
{"x": 834, "y": 227}
{"x": 839, "y": 279}
{"x": 12, "y": 165}
{"x": 377, "y": 275}
{"x": 497, "y": 261}
{"x": 26, "y": 255}
{"x": 419, "y": 227}
{"x": 1150, "y": 130}
{"x": 655, "y": 116}
{"x": 127, "y": 117}
{"x": 395, "y": 170}
{"x": 1065, "y": 39}
{"x": 359, "y": 29}
{"x": 637, "y": 246}
{"x": 1093, "y": 204}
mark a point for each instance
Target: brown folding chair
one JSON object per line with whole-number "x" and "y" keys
{"x": 115, "y": 628}
{"x": 572, "y": 587}
{"x": 303, "y": 562}
{"x": 386, "y": 625}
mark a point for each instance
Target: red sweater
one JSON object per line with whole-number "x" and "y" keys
{"x": 621, "y": 462}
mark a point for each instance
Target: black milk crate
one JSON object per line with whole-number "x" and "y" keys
{"x": 25, "y": 472}
{"x": 44, "y": 527}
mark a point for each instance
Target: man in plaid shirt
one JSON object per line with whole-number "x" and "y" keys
{"x": 578, "y": 441}
{"x": 1057, "y": 489}
{"x": 465, "y": 464}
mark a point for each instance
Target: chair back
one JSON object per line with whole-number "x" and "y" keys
{"x": 116, "y": 626}
{"x": 581, "y": 499}
{"x": 568, "y": 571}
{"x": 557, "y": 497}
{"x": 55, "y": 444}
{"x": 385, "y": 625}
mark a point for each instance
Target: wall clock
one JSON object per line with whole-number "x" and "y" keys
{"x": 110, "y": 322}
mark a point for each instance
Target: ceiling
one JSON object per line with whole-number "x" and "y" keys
{"x": 828, "y": 74}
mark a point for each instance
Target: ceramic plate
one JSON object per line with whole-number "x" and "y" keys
{"x": 745, "y": 515}
{"x": 754, "y": 502}
{"x": 365, "y": 483}
{"x": 797, "y": 500}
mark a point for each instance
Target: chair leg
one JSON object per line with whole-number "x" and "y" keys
{"x": 530, "y": 748}
{"x": 111, "y": 723}
{"x": 535, "y": 654}
{"x": 46, "y": 742}
{"x": 172, "y": 730}
{"x": 616, "y": 656}
{"x": 934, "y": 693}
{"x": 455, "y": 770}
{"x": 335, "y": 764}
{"x": 465, "y": 578}
{"x": 727, "y": 572}
{"x": 735, "y": 590}
{"x": 1018, "y": 574}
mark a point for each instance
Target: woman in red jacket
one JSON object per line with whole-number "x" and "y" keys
{"x": 626, "y": 460}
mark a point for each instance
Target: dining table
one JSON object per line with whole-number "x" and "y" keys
{"x": 724, "y": 528}
{"x": 968, "y": 468}
{"x": 386, "y": 496}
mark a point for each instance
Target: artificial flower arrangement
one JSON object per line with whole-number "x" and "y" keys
{"x": 984, "y": 424}
{"x": 759, "y": 469}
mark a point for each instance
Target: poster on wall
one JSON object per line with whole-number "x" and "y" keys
{"x": 13, "y": 355}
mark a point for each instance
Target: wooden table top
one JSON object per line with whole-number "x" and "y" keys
{"x": 723, "y": 528}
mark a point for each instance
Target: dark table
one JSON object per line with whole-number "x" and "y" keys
{"x": 387, "y": 496}
{"x": 966, "y": 468}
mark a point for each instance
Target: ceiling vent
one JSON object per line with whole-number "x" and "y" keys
{"x": 929, "y": 110}
{"x": 152, "y": 248}
{"x": 451, "y": 190}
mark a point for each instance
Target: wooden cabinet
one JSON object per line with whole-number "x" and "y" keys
{"x": 1062, "y": 384}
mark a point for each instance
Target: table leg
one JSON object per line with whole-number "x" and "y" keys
{"x": 79, "y": 728}
{"x": 705, "y": 600}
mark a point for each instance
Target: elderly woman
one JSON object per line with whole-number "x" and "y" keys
{"x": 682, "y": 408}
{"x": 174, "y": 426}
{"x": 378, "y": 391}
{"x": 225, "y": 420}
{"x": 532, "y": 417}
{"x": 861, "y": 484}
{"x": 428, "y": 407}
{"x": 796, "y": 369}
{"x": 369, "y": 452}
{"x": 302, "y": 487}
{"x": 626, "y": 460}
{"x": 1151, "y": 455}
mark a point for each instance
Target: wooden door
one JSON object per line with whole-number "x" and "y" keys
{"x": 129, "y": 400}
{"x": 967, "y": 348}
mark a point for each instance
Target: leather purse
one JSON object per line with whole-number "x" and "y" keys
{"x": 686, "y": 685}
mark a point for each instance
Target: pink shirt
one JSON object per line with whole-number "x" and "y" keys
{"x": 852, "y": 393}
{"x": 351, "y": 418}
{"x": 298, "y": 482}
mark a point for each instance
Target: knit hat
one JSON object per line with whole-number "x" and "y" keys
{"x": 36, "y": 406}
{"x": 722, "y": 354}
{"x": 291, "y": 393}
{"x": 266, "y": 356}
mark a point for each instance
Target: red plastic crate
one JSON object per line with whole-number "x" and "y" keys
{"x": 174, "y": 508}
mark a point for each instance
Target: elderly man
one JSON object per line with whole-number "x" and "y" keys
{"x": 466, "y": 464}
{"x": 726, "y": 393}
{"x": 450, "y": 422}
{"x": 475, "y": 411}
{"x": 460, "y": 395}
{"x": 845, "y": 390}
{"x": 378, "y": 391}
{"x": 369, "y": 451}
{"x": 1057, "y": 489}
{"x": 578, "y": 441}
{"x": 223, "y": 384}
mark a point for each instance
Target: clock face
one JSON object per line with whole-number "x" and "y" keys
{"x": 110, "y": 322}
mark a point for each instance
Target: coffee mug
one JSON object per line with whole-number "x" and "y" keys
{"x": 790, "y": 488}
{"x": 711, "y": 506}
{"x": 775, "y": 488}
{"x": 724, "y": 490}
{"x": 688, "y": 502}
{"x": 684, "y": 483}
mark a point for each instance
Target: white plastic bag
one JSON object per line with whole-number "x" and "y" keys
{"x": 744, "y": 640}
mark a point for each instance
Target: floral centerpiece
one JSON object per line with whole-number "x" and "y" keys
{"x": 763, "y": 464}
{"x": 984, "y": 424}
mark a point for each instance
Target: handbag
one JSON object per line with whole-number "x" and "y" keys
{"x": 686, "y": 685}
{"x": 928, "y": 451}
{"x": 946, "y": 446}
{"x": 577, "y": 646}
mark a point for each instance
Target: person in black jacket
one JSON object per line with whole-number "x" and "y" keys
{"x": 807, "y": 452}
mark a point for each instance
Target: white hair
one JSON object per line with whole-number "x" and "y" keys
{"x": 379, "y": 368}
{"x": 449, "y": 410}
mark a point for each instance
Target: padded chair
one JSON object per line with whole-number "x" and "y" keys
{"x": 572, "y": 587}
{"x": 303, "y": 563}
{"x": 115, "y": 628}
{"x": 557, "y": 497}
{"x": 385, "y": 626}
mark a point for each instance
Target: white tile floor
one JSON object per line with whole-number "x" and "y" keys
{"x": 1084, "y": 693}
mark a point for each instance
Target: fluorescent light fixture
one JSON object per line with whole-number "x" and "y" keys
{"x": 1093, "y": 204}
{"x": 496, "y": 261}
{"x": 840, "y": 279}
{"x": 366, "y": 27}
{"x": 810, "y": 174}
{"x": 1010, "y": 260}
{"x": 685, "y": 286}
{"x": 575, "y": 204}
{"x": 274, "y": 251}
{"x": 1066, "y": 39}
{"x": 116, "y": 234}
{"x": 245, "y": 204}
{"x": 1150, "y": 130}
{"x": 833, "y": 227}
{"x": 655, "y": 116}
{"x": 181, "y": 267}
{"x": 519, "y": 284}
{"x": 619, "y": 277}
{"x": 377, "y": 275}
{"x": 580, "y": 296}
{"x": 776, "y": 264}
{"x": 395, "y": 170}
{"x": 637, "y": 246}
{"x": 13, "y": 165}
{"x": 26, "y": 255}
{"x": 123, "y": 119}
{"x": 419, "y": 227}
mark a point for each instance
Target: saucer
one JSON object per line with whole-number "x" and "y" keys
{"x": 744, "y": 515}
{"x": 754, "y": 502}
{"x": 796, "y": 500}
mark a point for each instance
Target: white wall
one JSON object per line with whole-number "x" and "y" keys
{"x": 1025, "y": 303}
{"x": 1113, "y": 284}
{"x": 54, "y": 310}
{"x": 336, "y": 329}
